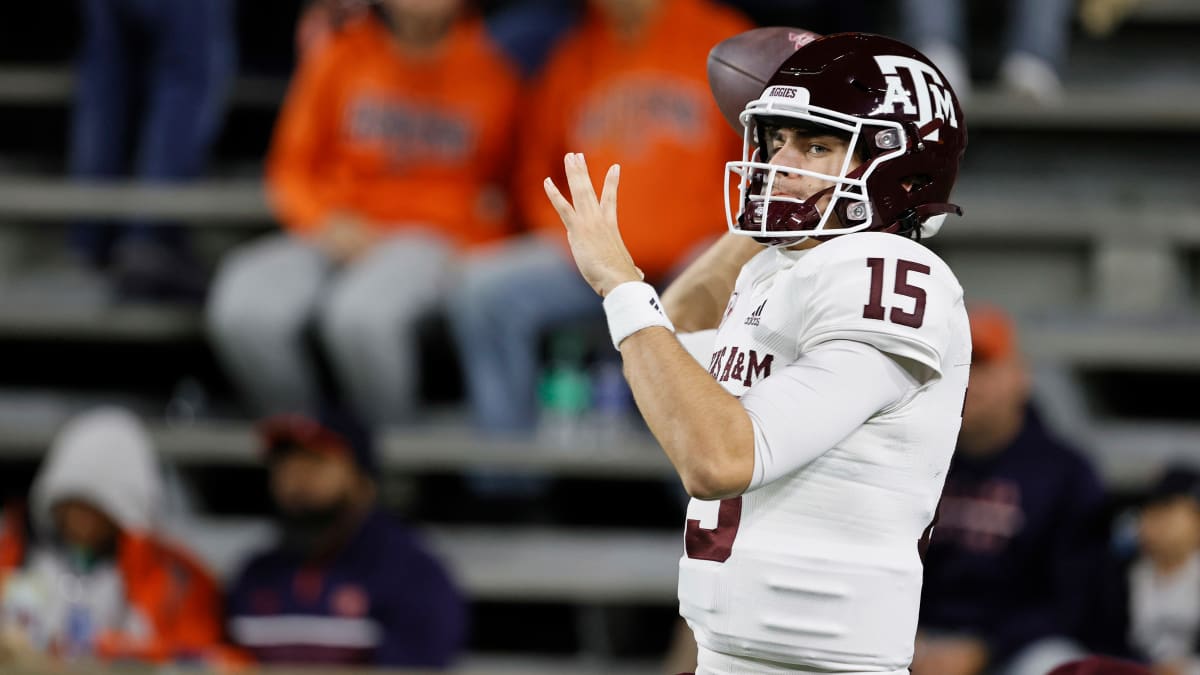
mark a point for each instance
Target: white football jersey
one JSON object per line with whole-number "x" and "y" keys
{"x": 819, "y": 569}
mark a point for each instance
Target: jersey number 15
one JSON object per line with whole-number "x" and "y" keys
{"x": 874, "y": 308}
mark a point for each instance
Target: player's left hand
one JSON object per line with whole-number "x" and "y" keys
{"x": 591, "y": 225}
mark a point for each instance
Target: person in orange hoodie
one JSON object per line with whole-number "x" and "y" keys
{"x": 628, "y": 84}
{"x": 389, "y": 157}
{"x": 85, "y": 575}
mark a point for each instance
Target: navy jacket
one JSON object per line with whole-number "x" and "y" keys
{"x": 1014, "y": 557}
{"x": 381, "y": 600}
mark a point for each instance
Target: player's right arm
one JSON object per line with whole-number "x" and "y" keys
{"x": 697, "y": 297}
{"x": 703, "y": 429}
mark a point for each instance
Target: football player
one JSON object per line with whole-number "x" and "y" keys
{"x": 815, "y": 434}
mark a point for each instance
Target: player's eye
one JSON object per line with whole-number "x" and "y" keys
{"x": 775, "y": 140}
{"x": 818, "y": 150}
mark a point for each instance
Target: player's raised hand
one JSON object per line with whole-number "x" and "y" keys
{"x": 591, "y": 226}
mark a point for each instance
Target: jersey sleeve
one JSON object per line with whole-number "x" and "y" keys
{"x": 803, "y": 410}
{"x": 879, "y": 289}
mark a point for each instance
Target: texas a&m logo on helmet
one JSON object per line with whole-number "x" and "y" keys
{"x": 916, "y": 88}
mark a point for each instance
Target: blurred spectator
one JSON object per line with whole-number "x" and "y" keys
{"x": 528, "y": 29}
{"x": 322, "y": 20}
{"x": 347, "y": 584}
{"x": 85, "y": 575}
{"x": 818, "y": 16}
{"x": 389, "y": 156}
{"x": 524, "y": 29}
{"x": 1101, "y": 17}
{"x": 1036, "y": 41}
{"x": 1008, "y": 571}
{"x": 177, "y": 58}
{"x": 623, "y": 86}
{"x": 1098, "y": 665}
{"x": 1155, "y": 596}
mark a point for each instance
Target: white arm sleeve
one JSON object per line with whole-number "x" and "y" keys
{"x": 699, "y": 344}
{"x": 804, "y": 410}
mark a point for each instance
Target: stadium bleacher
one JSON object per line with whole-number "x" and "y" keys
{"x": 1083, "y": 219}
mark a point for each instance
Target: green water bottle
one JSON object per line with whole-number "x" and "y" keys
{"x": 564, "y": 390}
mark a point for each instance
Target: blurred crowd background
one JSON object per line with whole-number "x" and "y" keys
{"x": 296, "y": 368}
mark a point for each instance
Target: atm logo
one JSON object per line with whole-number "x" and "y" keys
{"x": 745, "y": 366}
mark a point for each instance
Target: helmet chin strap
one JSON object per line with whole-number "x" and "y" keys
{"x": 926, "y": 220}
{"x": 790, "y": 216}
{"x": 794, "y": 215}
{"x": 782, "y": 216}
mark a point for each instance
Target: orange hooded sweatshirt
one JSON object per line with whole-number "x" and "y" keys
{"x": 104, "y": 458}
{"x": 644, "y": 105}
{"x": 177, "y": 598}
{"x": 398, "y": 140}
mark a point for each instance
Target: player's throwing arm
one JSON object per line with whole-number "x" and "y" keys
{"x": 704, "y": 430}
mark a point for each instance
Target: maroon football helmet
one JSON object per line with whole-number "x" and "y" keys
{"x": 903, "y": 122}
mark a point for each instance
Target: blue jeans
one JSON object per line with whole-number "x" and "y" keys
{"x": 1038, "y": 27}
{"x": 177, "y": 57}
{"x": 498, "y": 312}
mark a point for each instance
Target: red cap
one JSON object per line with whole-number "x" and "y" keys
{"x": 993, "y": 336}
{"x": 328, "y": 430}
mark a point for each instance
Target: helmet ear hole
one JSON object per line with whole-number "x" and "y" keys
{"x": 915, "y": 181}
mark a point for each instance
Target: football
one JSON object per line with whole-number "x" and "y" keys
{"x": 740, "y": 67}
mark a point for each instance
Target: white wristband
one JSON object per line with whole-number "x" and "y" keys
{"x": 631, "y": 307}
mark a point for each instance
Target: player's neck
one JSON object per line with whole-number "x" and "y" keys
{"x": 808, "y": 243}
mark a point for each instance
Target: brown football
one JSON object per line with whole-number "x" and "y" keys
{"x": 739, "y": 67}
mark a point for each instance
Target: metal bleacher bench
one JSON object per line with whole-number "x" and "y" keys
{"x": 509, "y": 563}
{"x": 212, "y": 203}
{"x": 444, "y": 447}
{"x": 239, "y": 203}
{"x": 451, "y": 448}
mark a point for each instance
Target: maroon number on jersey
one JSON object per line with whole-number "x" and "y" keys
{"x": 874, "y": 308}
{"x": 715, "y": 544}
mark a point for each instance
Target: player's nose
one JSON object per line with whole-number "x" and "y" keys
{"x": 787, "y": 175}
{"x": 788, "y": 161}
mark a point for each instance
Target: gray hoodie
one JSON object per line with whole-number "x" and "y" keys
{"x": 103, "y": 457}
